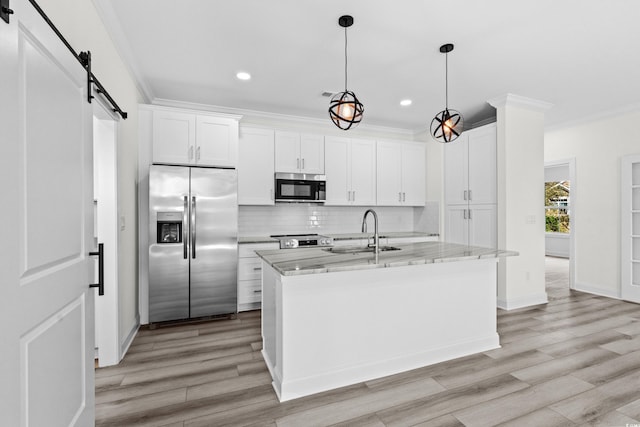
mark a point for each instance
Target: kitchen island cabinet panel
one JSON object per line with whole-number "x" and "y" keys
{"x": 374, "y": 323}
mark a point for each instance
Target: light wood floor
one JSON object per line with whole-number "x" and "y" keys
{"x": 573, "y": 361}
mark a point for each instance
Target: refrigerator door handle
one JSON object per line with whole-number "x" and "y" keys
{"x": 193, "y": 227}
{"x": 185, "y": 228}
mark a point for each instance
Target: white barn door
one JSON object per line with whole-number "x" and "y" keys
{"x": 46, "y": 306}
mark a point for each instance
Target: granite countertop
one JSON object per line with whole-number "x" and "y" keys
{"x": 343, "y": 236}
{"x": 316, "y": 260}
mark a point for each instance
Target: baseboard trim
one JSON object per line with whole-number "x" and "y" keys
{"x": 299, "y": 387}
{"x": 521, "y": 302}
{"x": 594, "y": 289}
{"x": 124, "y": 347}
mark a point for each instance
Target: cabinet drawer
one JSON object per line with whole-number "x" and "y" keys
{"x": 249, "y": 250}
{"x": 250, "y": 269}
{"x": 249, "y": 291}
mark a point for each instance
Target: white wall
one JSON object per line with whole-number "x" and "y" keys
{"x": 80, "y": 24}
{"x": 597, "y": 146}
{"x": 520, "y": 135}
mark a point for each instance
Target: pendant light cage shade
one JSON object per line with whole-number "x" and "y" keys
{"x": 447, "y": 125}
{"x": 345, "y": 110}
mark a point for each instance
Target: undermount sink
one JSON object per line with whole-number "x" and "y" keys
{"x": 358, "y": 249}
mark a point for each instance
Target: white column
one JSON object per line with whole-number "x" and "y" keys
{"x": 520, "y": 151}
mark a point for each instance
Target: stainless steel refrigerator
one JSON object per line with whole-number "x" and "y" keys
{"x": 193, "y": 218}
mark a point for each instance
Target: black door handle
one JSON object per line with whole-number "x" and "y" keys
{"x": 100, "y": 284}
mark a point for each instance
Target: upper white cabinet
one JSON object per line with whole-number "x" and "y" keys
{"x": 470, "y": 188}
{"x": 400, "y": 173}
{"x": 351, "y": 171}
{"x": 255, "y": 166}
{"x": 299, "y": 153}
{"x": 470, "y": 167}
{"x": 187, "y": 138}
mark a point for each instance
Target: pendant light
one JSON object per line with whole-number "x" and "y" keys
{"x": 344, "y": 108}
{"x": 447, "y": 124}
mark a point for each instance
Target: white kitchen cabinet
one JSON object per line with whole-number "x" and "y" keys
{"x": 473, "y": 225}
{"x": 255, "y": 166}
{"x": 470, "y": 188}
{"x": 400, "y": 174}
{"x": 351, "y": 171}
{"x": 299, "y": 153}
{"x": 187, "y": 138}
{"x": 250, "y": 275}
{"x": 470, "y": 167}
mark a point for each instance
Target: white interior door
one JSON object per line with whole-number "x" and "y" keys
{"x": 46, "y": 306}
{"x": 105, "y": 183}
{"x": 630, "y": 228}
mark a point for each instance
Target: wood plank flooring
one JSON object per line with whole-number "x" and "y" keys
{"x": 574, "y": 361}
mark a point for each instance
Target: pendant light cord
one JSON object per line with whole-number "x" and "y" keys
{"x": 446, "y": 81}
{"x": 345, "y": 59}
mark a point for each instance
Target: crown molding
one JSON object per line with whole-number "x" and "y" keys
{"x": 604, "y": 115}
{"x": 512, "y": 100}
{"x": 255, "y": 114}
{"x": 114, "y": 30}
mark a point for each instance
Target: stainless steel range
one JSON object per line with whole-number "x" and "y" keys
{"x": 293, "y": 241}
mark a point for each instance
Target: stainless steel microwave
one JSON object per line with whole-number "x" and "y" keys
{"x": 300, "y": 187}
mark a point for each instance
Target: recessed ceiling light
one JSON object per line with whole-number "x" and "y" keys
{"x": 243, "y": 75}
{"x": 405, "y": 102}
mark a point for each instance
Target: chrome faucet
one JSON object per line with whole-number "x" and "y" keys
{"x": 376, "y": 238}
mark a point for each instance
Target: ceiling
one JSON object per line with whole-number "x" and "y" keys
{"x": 582, "y": 56}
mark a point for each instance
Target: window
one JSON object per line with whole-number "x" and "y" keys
{"x": 557, "y": 206}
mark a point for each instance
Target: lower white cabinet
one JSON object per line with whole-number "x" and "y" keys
{"x": 474, "y": 225}
{"x": 250, "y": 275}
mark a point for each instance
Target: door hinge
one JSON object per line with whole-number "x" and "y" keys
{"x": 5, "y": 10}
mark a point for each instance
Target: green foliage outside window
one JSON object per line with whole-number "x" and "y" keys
{"x": 556, "y": 201}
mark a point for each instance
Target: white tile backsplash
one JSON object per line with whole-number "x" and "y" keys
{"x": 291, "y": 218}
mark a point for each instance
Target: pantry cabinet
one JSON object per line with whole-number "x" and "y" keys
{"x": 255, "y": 166}
{"x": 400, "y": 173}
{"x": 186, "y": 138}
{"x": 299, "y": 153}
{"x": 351, "y": 171}
{"x": 470, "y": 186}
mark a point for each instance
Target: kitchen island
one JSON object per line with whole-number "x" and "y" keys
{"x": 330, "y": 319}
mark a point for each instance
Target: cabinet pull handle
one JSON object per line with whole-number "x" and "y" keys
{"x": 257, "y": 268}
{"x": 469, "y": 194}
{"x": 257, "y": 291}
{"x": 400, "y": 196}
{"x": 353, "y": 193}
{"x": 469, "y": 213}
{"x": 348, "y": 196}
{"x": 404, "y": 196}
{"x": 303, "y": 163}
{"x": 191, "y": 152}
{"x": 464, "y": 212}
{"x": 298, "y": 163}
{"x": 198, "y": 153}
{"x": 465, "y": 194}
